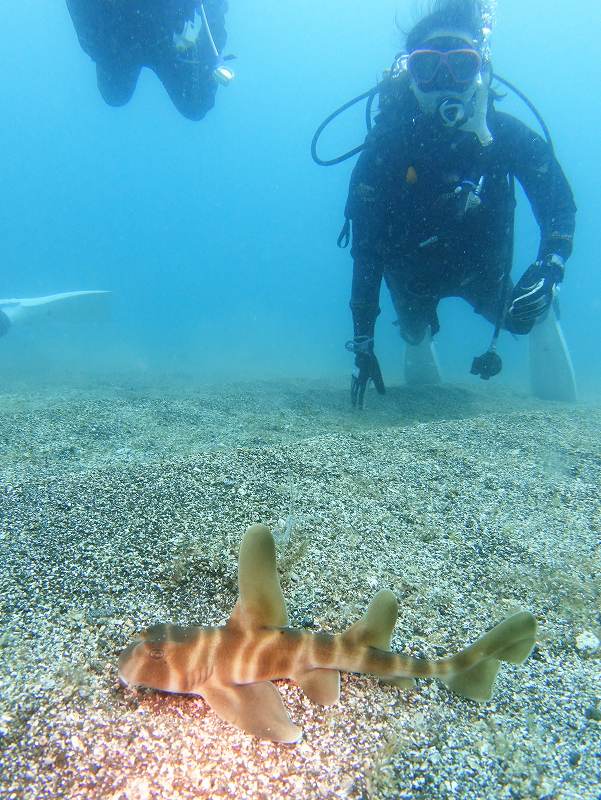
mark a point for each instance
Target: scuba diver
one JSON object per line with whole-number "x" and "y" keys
{"x": 431, "y": 203}
{"x": 180, "y": 40}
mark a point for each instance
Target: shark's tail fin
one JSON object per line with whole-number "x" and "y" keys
{"x": 472, "y": 672}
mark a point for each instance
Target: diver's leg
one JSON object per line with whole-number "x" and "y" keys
{"x": 415, "y": 306}
{"x": 105, "y": 34}
{"x": 117, "y": 82}
{"x": 188, "y": 79}
{"x": 87, "y": 20}
{"x": 485, "y": 287}
{"x": 187, "y": 73}
{"x": 414, "y": 302}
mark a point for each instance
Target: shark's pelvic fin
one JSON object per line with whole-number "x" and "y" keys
{"x": 261, "y": 602}
{"x": 475, "y": 668}
{"x": 320, "y": 685}
{"x": 256, "y": 708}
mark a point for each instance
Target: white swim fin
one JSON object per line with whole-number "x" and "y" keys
{"x": 88, "y": 306}
{"x": 551, "y": 371}
{"x": 421, "y": 363}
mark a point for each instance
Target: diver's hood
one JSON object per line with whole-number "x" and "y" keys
{"x": 466, "y": 111}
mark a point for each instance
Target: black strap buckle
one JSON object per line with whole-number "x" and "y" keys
{"x": 344, "y": 237}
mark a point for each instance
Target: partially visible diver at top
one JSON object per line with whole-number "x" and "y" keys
{"x": 180, "y": 40}
{"x": 431, "y": 202}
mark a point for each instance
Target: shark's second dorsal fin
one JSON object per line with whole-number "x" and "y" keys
{"x": 261, "y": 602}
{"x": 375, "y": 627}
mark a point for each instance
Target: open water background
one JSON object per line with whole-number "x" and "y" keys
{"x": 218, "y": 238}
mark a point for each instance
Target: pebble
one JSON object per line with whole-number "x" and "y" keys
{"x": 587, "y": 643}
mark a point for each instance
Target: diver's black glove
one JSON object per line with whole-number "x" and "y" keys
{"x": 533, "y": 293}
{"x": 366, "y": 369}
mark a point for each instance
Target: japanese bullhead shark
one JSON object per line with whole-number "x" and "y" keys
{"x": 232, "y": 667}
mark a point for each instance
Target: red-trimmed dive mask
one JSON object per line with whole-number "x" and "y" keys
{"x": 435, "y": 70}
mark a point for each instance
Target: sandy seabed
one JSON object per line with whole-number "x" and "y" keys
{"x": 122, "y": 505}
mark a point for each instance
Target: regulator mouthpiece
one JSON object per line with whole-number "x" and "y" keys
{"x": 223, "y": 75}
{"x": 452, "y": 112}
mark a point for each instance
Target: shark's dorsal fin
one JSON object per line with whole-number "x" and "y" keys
{"x": 261, "y": 602}
{"x": 375, "y": 627}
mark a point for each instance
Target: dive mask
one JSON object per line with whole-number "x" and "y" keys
{"x": 438, "y": 69}
{"x": 452, "y": 84}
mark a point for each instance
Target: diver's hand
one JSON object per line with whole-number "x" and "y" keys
{"x": 366, "y": 368}
{"x": 533, "y": 293}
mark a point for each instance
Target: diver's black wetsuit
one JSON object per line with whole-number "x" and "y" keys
{"x": 409, "y": 224}
{"x": 122, "y": 36}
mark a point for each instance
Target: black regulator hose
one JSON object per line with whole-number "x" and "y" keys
{"x": 370, "y": 97}
{"x": 530, "y": 105}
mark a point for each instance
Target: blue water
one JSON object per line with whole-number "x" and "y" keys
{"x": 218, "y": 238}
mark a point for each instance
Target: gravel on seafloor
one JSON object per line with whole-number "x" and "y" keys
{"x": 121, "y": 508}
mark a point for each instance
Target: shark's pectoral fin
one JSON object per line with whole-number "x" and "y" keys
{"x": 256, "y": 708}
{"x": 320, "y": 685}
{"x": 261, "y": 602}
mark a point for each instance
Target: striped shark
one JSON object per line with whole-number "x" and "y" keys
{"x": 232, "y": 667}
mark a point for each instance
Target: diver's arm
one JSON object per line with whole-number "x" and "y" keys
{"x": 546, "y": 187}
{"x": 365, "y": 296}
{"x": 532, "y": 161}
{"x": 366, "y": 210}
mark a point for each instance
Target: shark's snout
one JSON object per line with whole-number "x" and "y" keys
{"x": 126, "y": 663}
